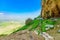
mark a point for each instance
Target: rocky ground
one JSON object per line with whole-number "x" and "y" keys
{"x": 54, "y": 32}
{"x": 23, "y": 35}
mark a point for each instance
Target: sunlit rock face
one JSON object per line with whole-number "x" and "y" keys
{"x": 50, "y": 8}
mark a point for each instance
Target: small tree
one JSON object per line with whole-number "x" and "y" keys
{"x": 28, "y": 21}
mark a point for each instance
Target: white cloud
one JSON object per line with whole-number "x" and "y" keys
{"x": 1, "y": 13}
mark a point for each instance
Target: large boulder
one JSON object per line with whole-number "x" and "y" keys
{"x": 50, "y": 8}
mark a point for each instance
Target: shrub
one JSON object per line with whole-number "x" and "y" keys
{"x": 28, "y": 21}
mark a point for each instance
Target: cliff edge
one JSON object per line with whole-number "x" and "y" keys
{"x": 50, "y": 9}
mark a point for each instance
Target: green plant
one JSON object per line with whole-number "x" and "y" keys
{"x": 39, "y": 25}
{"x": 44, "y": 0}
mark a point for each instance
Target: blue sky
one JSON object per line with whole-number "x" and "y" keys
{"x": 20, "y": 7}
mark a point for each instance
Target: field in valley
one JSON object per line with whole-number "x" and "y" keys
{"x": 9, "y": 27}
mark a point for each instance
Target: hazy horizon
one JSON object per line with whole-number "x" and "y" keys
{"x": 19, "y": 9}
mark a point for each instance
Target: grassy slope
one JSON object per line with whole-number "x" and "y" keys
{"x": 31, "y": 26}
{"x": 35, "y": 24}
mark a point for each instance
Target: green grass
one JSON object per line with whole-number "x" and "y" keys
{"x": 35, "y": 23}
{"x": 45, "y": 22}
{"x": 23, "y": 28}
{"x": 31, "y": 26}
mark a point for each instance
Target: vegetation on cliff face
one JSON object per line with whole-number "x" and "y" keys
{"x": 39, "y": 24}
{"x": 50, "y": 8}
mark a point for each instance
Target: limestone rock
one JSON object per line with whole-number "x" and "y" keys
{"x": 50, "y": 8}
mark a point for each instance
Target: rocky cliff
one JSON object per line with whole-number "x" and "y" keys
{"x": 50, "y": 8}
